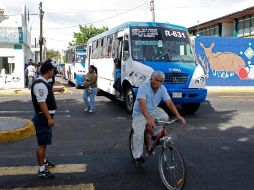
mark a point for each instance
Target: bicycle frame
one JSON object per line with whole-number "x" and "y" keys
{"x": 162, "y": 138}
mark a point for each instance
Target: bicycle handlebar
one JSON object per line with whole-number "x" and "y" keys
{"x": 160, "y": 122}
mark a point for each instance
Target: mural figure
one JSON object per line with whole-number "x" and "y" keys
{"x": 225, "y": 64}
{"x": 223, "y": 61}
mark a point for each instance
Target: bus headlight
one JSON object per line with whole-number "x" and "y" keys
{"x": 200, "y": 80}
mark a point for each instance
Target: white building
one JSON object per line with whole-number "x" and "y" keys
{"x": 15, "y": 48}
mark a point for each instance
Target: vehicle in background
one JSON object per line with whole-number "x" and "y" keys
{"x": 143, "y": 47}
{"x": 75, "y": 66}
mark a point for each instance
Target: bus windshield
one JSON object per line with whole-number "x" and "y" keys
{"x": 160, "y": 44}
{"x": 80, "y": 57}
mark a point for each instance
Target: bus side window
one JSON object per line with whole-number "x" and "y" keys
{"x": 114, "y": 49}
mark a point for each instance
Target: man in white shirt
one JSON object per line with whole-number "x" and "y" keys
{"x": 31, "y": 73}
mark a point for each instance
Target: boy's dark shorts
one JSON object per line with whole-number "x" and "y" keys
{"x": 43, "y": 130}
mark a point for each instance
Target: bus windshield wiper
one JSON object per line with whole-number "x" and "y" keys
{"x": 160, "y": 56}
{"x": 172, "y": 53}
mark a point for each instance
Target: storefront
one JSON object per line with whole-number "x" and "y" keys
{"x": 15, "y": 51}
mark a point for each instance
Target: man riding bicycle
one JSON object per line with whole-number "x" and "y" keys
{"x": 146, "y": 110}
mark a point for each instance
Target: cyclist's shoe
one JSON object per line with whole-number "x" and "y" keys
{"x": 48, "y": 164}
{"x": 45, "y": 174}
{"x": 140, "y": 162}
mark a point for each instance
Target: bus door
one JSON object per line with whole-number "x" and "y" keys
{"x": 88, "y": 58}
{"x": 124, "y": 58}
{"x": 119, "y": 46}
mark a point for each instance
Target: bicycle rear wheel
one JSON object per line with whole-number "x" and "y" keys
{"x": 172, "y": 168}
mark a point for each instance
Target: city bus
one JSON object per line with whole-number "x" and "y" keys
{"x": 75, "y": 66}
{"x": 143, "y": 47}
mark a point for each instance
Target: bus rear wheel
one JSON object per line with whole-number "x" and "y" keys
{"x": 129, "y": 98}
{"x": 190, "y": 108}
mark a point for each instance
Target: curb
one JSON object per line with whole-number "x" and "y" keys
{"x": 18, "y": 134}
{"x": 26, "y": 91}
{"x": 235, "y": 89}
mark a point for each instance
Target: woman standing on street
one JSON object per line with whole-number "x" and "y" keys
{"x": 90, "y": 86}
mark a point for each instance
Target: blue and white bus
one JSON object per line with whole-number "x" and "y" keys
{"x": 75, "y": 66}
{"x": 143, "y": 47}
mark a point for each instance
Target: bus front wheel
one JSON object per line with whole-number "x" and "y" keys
{"x": 190, "y": 108}
{"x": 129, "y": 98}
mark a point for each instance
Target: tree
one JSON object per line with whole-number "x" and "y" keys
{"x": 52, "y": 54}
{"x": 86, "y": 32}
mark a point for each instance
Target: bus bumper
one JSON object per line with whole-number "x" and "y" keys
{"x": 191, "y": 95}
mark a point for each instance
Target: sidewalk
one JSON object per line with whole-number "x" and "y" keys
{"x": 14, "y": 129}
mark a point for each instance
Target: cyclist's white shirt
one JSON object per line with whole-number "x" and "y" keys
{"x": 146, "y": 92}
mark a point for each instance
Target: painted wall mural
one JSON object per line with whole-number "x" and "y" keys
{"x": 226, "y": 61}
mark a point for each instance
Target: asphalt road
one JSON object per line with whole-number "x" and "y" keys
{"x": 92, "y": 149}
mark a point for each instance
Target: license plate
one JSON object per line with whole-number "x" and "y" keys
{"x": 177, "y": 95}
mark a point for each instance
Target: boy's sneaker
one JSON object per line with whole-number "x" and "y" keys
{"x": 91, "y": 111}
{"x": 86, "y": 110}
{"x": 45, "y": 174}
{"x": 48, "y": 164}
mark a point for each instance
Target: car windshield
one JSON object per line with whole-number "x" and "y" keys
{"x": 160, "y": 44}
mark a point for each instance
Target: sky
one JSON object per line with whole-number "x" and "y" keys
{"x": 62, "y": 18}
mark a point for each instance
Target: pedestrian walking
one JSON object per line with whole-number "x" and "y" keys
{"x": 90, "y": 89}
{"x": 45, "y": 107}
{"x": 31, "y": 74}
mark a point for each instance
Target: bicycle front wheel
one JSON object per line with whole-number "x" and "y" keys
{"x": 172, "y": 168}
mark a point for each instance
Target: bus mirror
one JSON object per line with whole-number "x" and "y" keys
{"x": 125, "y": 55}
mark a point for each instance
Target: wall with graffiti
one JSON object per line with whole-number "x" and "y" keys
{"x": 12, "y": 75}
{"x": 226, "y": 61}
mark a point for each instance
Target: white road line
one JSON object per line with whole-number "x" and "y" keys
{"x": 30, "y": 111}
{"x": 30, "y": 170}
{"x": 89, "y": 186}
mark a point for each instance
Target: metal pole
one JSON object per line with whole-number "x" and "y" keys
{"x": 41, "y": 31}
{"x": 152, "y": 9}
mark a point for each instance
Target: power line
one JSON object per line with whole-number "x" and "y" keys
{"x": 129, "y": 10}
{"x": 57, "y": 40}
{"x": 185, "y": 7}
{"x": 34, "y": 14}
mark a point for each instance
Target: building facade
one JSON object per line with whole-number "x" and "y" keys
{"x": 15, "y": 48}
{"x": 238, "y": 24}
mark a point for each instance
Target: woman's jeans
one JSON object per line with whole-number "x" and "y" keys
{"x": 91, "y": 93}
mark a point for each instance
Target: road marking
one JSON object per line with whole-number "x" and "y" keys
{"x": 30, "y": 170}
{"x": 89, "y": 186}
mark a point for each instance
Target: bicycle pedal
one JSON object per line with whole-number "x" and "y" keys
{"x": 179, "y": 181}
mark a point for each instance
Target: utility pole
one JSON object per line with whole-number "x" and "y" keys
{"x": 152, "y": 9}
{"x": 41, "y": 41}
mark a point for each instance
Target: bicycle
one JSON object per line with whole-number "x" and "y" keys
{"x": 171, "y": 163}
